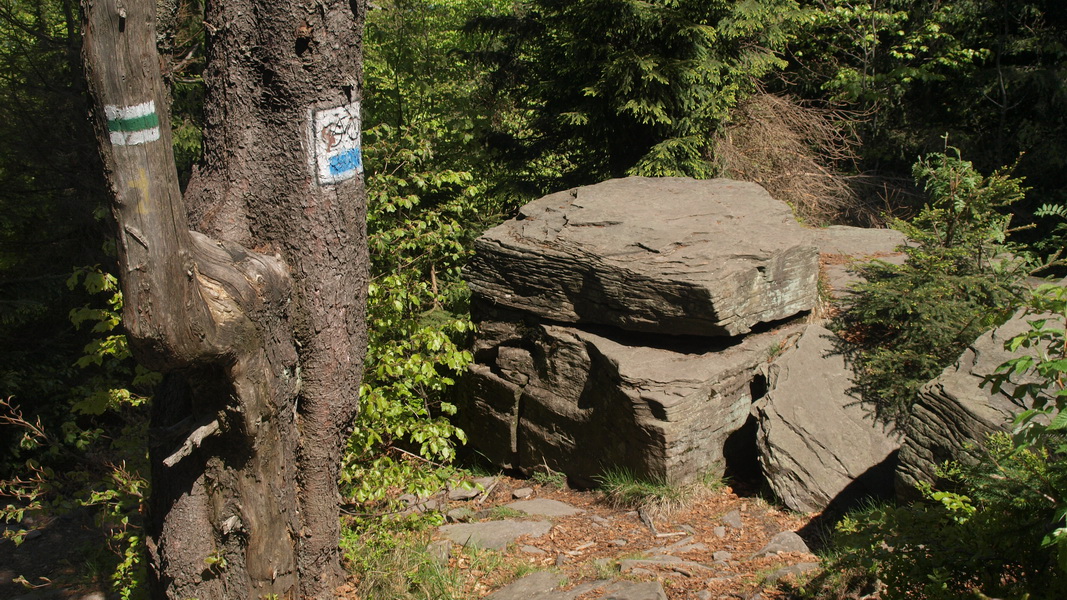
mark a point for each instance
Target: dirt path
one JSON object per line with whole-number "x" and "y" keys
{"x": 702, "y": 551}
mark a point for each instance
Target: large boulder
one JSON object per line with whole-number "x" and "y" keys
{"x": 818, "y": 445}
{"x": 957, "y": 411}
{"x": 579, "y": 402}
{"x": 660, "y": 255}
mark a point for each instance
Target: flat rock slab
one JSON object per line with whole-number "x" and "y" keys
{"x": 544, "y": 507}
{"x": 842, "y": 247}
{"x": 661, "y": 255}
{"x": 494, "y": 535}
{"x": 629, "y": 564}
{"x": 818, "y": 444}
{"x": 544, "y": 585}
{"x": 860, "y": 243}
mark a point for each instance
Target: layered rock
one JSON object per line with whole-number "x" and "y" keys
{"x": 665, "y": 255}
{"x": 610, "y": 321}
{"x": 817, "y": 443}
{"x": 629, "y": 324}
{"x": 578, "y": 401}
{"x": 957, "y": 411}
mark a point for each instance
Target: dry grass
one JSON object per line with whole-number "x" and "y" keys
{"x": 795, "y": 151}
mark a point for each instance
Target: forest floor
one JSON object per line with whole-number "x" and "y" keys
{"x": 702, "y": 548}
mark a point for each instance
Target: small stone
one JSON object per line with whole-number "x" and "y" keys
{"x": 561, "y": 559}
{"x": 619, "y": 543}
{"x": 484, "y": 483}
{"x": 703, "y": 595}
{"x": 786, "y": 541}
{"x": 641, "y": 572}
{"x": 460, "y": 493}
{"x": 720, "y": 532}
{"x": 425, "y": 505}
{"x": 722, "y": 555}
{"x": 732, "y": 519}
{"x": 527, "y": 549}
{"x": 521, "y": 493}
{"x": 599, "y": 520}
{"x": 440, "y": 551}
{"x": 545, "y": 508}
{"x": 459, "y": 515}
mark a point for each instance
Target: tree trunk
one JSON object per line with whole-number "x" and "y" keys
{"x": 258, "y": 317}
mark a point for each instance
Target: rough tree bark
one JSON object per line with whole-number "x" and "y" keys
{"x": 257, "y": 317}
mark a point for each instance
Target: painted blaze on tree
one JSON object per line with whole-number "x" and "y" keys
{"x": 248, "y": 291}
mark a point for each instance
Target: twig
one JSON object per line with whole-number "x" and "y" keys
{"x": 422, "y": 458}
{"x": 487, "y": 491}
{"x": 195, "y": 439}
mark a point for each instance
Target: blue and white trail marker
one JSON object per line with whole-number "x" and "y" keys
{"x": 132, "y": 125}
{"x": 337, "y": 143}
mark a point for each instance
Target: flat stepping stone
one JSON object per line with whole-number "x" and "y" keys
{"x": 494, "y": 535}
{"x": 539, "y": 585}
{"x": 544, "y": 585}
{"x": 631, "y": 590}
{"x": 668, "y": 561}
{"x": 543, "y": 507}
{"x": 474, "y": 488}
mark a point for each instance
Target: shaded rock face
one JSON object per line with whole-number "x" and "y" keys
{"x": 661, "y": 255}
{"x": 610, "y": 322}
{"x": 579, "y": 401}
{"x": 955, "y": 411}
{"x": 817, "y": 443}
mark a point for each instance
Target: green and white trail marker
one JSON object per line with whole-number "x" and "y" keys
{"x": 132, "y": 125}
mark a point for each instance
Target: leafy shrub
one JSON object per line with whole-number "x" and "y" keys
{"x": 959, "y": 278}
{"x": 997, "y": 528}
{"x": 421, "y": 222}
{"x": 97, "y": 457}
{"x": 986, "y": 536}
{"x": 1040, "y": 383}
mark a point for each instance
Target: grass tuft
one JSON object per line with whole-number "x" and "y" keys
{"x": 623, "y": 489}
